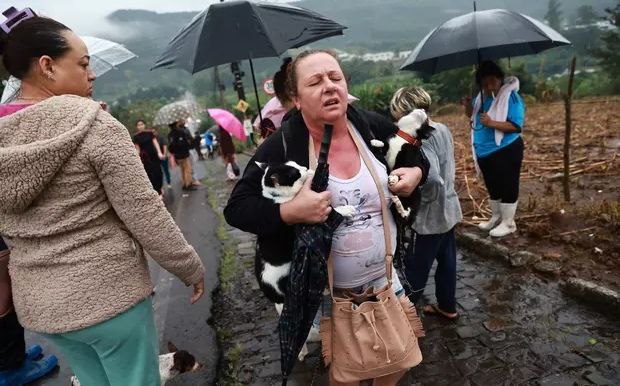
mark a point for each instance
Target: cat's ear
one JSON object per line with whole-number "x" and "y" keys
{"x": 261, "y": 165}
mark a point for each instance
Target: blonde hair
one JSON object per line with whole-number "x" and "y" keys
{"x": 407, "y": 99}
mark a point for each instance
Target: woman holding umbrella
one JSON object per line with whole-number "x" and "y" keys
{"x": 319, "y": 91}
{"x": 497, "y": 118}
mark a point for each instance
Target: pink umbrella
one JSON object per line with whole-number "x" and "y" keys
{"x": 227, "y": 121}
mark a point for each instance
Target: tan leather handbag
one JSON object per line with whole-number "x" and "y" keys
{"x": 374, "y": 333}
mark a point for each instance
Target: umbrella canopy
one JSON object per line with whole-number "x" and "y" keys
{"x": 477, "y": 36}
{"x": 176, "y": 111}
{"x": 237, "y": 30}
{"x": 104, "y": 56}
{"x": 227, "y": 121}
{"x": 308, "y": 271}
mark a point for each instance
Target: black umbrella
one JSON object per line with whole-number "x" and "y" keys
{"x": 237, "y": 30}
{"x": 477, "y": 36}
{"x": 308, "y": 272}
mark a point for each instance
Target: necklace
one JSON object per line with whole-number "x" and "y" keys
{"x": 20, "y": 97}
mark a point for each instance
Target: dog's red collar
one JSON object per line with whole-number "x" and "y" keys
{"x": 407, "y": 137}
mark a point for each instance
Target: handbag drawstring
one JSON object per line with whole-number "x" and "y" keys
{"x": 371, "y": 321}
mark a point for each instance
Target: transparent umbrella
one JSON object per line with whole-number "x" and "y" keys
{"x": 176, "y": 111}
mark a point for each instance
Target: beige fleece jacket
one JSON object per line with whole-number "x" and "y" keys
{"x": 78, "y": 209}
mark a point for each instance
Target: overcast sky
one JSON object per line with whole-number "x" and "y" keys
{"x": 87, "y": 17}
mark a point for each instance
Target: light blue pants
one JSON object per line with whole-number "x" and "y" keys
{"x": 121, "y": 351}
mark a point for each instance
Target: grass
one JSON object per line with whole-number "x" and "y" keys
{"x": 228, "y": 261}
{"x": 227, "y": 374}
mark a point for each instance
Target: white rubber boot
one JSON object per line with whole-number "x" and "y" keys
{"x": 507, "y": 226}
{"x": 495, "y": 216}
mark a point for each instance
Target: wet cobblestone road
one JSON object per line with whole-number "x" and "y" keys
{"x": 514, "y": 328}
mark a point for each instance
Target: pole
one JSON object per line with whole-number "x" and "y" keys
{"x": 479, "y": 61}
{"x": 219, "y": 86}
{"x": 567, "y": 107}
{"x": 260, "y": 114}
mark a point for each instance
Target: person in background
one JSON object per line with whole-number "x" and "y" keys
{"x": 179, "y": 144}
{"x": 80, "y": 212}
{"x": 210, "y": 143}
{"x": 229, "y": 157}
{"x": 439, "y": 211}
{"x": 18, "y": 366}
{"x": 150, "y": 153}
{"x": 276, "y": 108}
{"x": 197, "y": 141}
{"x": 165, "y": 163}
{"x": 497, "y": 120}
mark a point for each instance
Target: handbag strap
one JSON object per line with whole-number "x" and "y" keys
{"x": 389, "y": 257}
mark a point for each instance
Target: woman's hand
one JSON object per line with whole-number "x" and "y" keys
{"x": 199, "y": 290}
{"x": 486, "y": 120}
{"x": 173, "y": 162}
{"x": 506, "y": 127}
{"x": 408, "y": 180}
{"x": 308, "y": 207}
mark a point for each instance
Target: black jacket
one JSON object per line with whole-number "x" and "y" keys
{"x": 179, "y": 143}
{"x": 249, "y": 211}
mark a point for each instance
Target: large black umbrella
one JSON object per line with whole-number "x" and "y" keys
{"x": 308, "y": 272}
{"x": 237, "y": 30}
{"x": 477, "y": 36}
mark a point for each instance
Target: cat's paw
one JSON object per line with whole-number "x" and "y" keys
{"x": 346, "y": 210}
{"x": 405, "y": 213}
{"x": 376, "y": 143}
{"x": 392, "y": 179}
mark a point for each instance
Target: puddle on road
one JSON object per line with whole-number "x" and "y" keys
{"x": 526, "y": 322}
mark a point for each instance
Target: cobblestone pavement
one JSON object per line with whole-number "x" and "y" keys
{"x": 515, "y": 328}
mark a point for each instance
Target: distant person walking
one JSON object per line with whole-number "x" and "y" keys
{"x": 179, "y": 144}
{"x": 80, "y": 213}
{"x": 150, "y": 154}
{"x": 165, "y": 162}
{"x": 228, "y": 152}
{"x": 439, "y": 211}
{"x": 197, "y": 141}
{"x": 497, "y": 118}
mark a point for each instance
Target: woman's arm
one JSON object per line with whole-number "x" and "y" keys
{"x": 159, "y": 152}
{"x": 249, "y": 211}
{"x": 136, "y": 203}
{"x": 506, "y": 126}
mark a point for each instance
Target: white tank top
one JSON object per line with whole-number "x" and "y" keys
{"x": 358, "y": 246}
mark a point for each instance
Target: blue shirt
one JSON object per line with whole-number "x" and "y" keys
{"x": 484, "y": 137}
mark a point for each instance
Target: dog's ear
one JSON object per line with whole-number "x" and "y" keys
{"x": 425, "y": 131}
{"x": 275, "y": 180}
{"x": 172, "y": 347}
{"x": 261, "y": 165}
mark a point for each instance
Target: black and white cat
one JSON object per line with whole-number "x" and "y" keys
{"x": 280, "y": 183}
{"x": 404, "y": 150}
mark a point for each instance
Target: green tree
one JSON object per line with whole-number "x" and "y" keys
{"x": 585, "y": 15}
{"x": 452, "y": 85}
{"x": 608, "y": 54}
{"x": 553, "y": 17}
